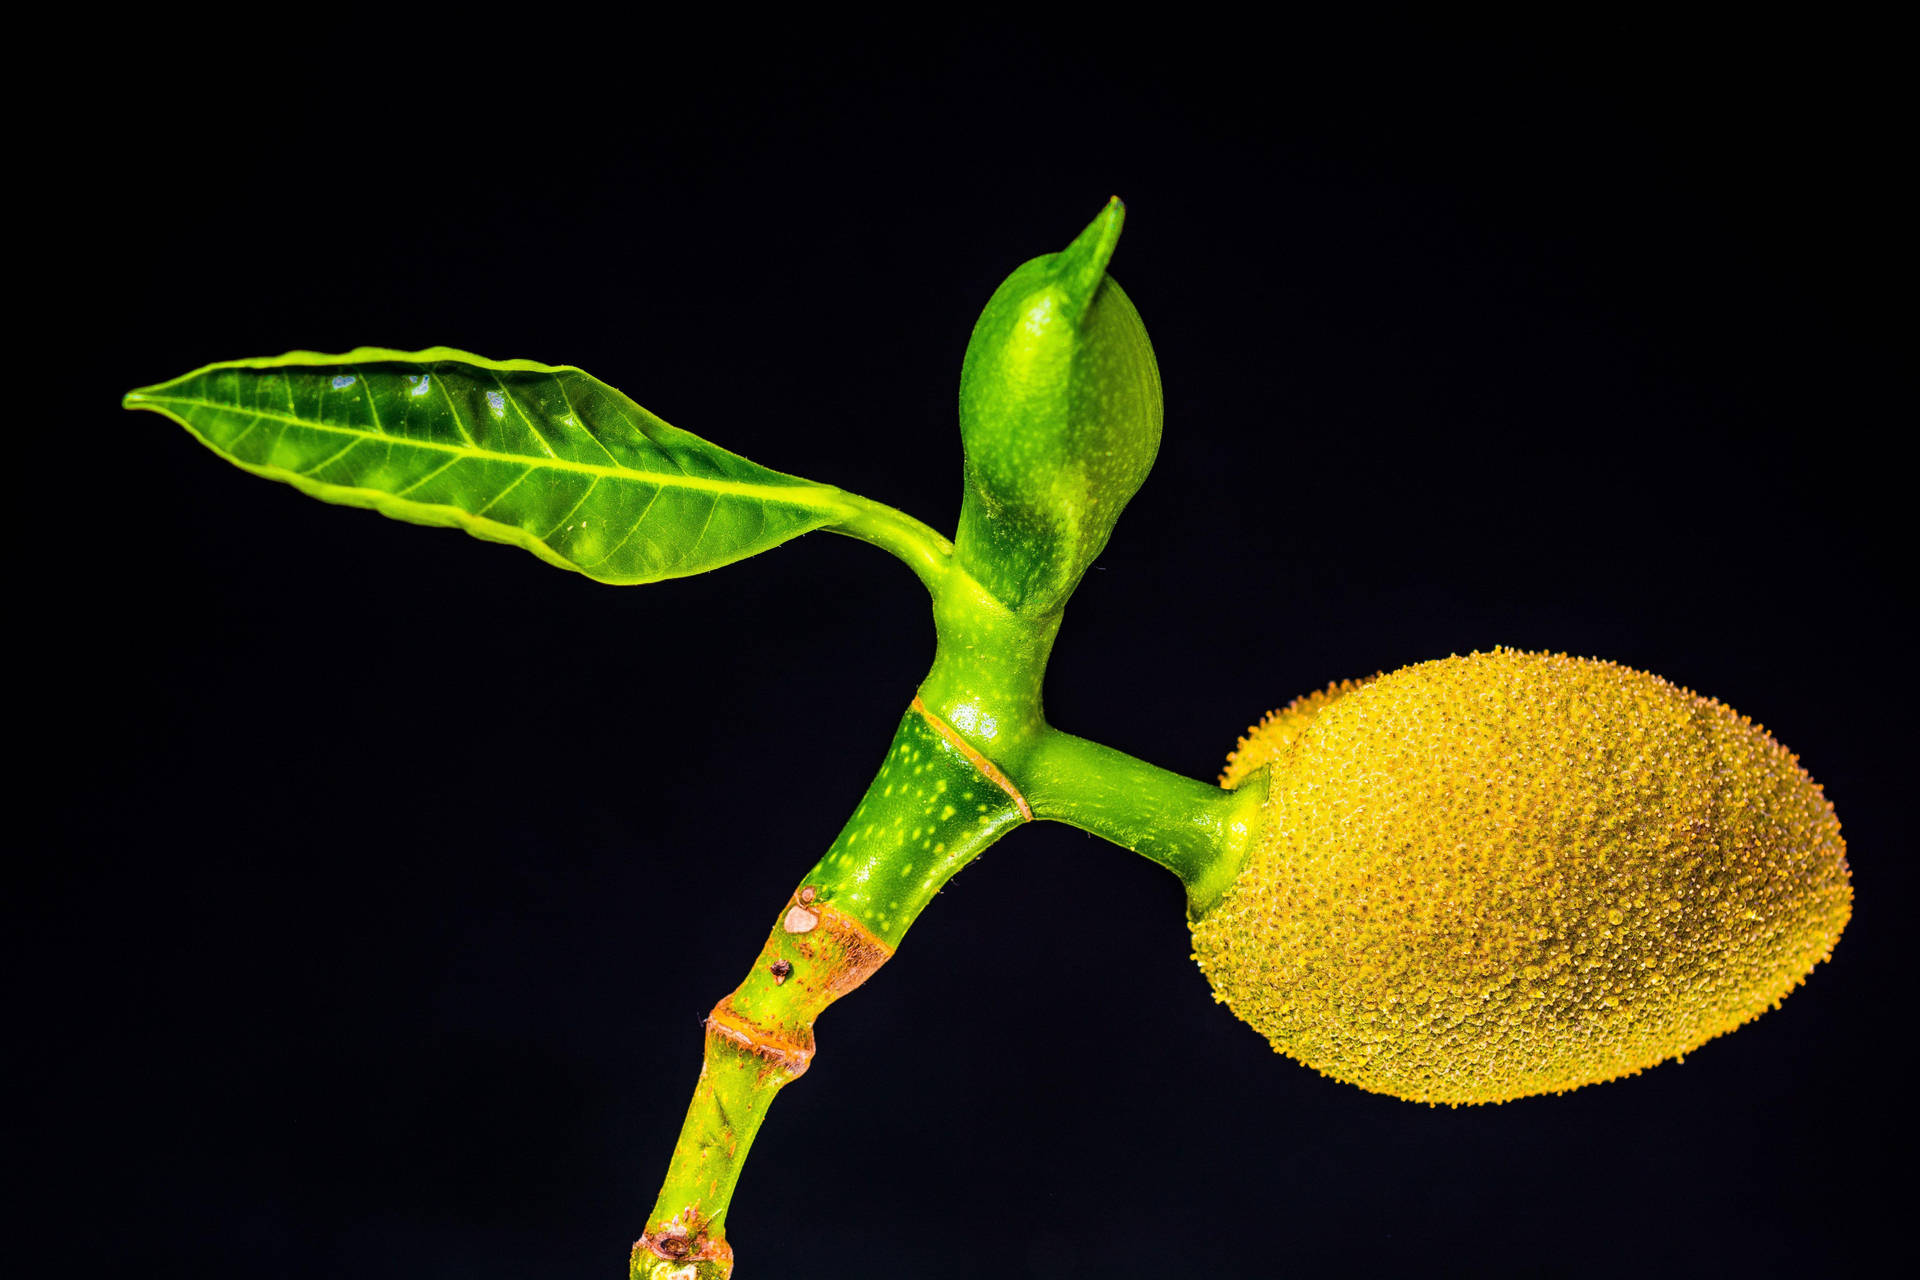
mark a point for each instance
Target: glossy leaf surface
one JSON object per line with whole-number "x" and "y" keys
{"x": 540, "y": 456}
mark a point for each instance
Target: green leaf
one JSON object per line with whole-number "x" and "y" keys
{"x": 539, "y": 456}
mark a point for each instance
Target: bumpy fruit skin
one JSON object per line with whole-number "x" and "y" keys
{"x": 1516, "y": 873}
{"x": 1275, "y": 734}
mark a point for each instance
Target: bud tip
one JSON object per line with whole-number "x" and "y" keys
{"x": 1083, "y": 264}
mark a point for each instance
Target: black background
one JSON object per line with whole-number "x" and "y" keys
{"x": 380, "y": 877}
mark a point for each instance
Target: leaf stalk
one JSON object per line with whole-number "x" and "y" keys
{"x": 918, "y": 546}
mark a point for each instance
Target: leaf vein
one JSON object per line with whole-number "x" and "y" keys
{"x": 514, "y": 484}
{"x": 366, "y": 389}
{"x": 548, "y": 535}
{"x": 332, "y": 458}
{"x": 632, "y": 529}
{"x": 574, "y": 414}
{"x": 815, "y": 498}
{"x": 453, "y": 409}
{"x": 702, "y": 537}
{"x": 507, "y": 395}
{"x": 450, "y": 462}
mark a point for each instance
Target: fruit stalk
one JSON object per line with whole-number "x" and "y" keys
{"x": 1196, "y": 830}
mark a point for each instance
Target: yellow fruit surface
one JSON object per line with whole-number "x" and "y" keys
{"x": 1515, "y": 873}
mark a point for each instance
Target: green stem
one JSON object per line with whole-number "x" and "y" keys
{"x": 1194, "y": 829}
{"x": 973, "y": 758}
{"x": 935, "y": 804}
{"x": 988, "y": 669}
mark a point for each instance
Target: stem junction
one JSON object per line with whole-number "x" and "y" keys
{"x": 972, "y": 758}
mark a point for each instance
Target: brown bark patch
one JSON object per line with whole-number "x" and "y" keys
{"x": 688, "y": 1237}
{"x": 859, "y": 953}
{"x": 775, "y": 1045}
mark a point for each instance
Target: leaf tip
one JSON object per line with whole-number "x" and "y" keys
{"x": 137, "y": 398}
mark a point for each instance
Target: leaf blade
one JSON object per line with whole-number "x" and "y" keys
{"x": 543, "y": 457}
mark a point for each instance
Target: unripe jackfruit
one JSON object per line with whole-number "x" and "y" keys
{"x": 1516, "y": 873}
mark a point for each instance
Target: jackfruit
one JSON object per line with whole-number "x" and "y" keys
{"x": 1516, "y": 873}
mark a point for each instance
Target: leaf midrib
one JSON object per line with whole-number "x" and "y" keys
{"x": 793, "y": 495}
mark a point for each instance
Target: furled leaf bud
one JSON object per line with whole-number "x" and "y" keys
{"x": 1060, "y": 415}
